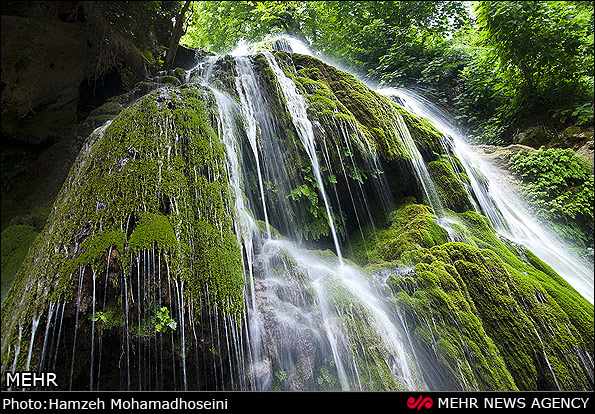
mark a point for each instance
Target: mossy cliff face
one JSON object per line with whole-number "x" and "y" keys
{"x": 450, "y": 186}
{"x": 343, "y": 96}
{"x": 491, "y": 314}
{"x": 146, "y": 209}
{"x": 139, "y": 256}
{"x": 16, "y": 241}
{"x": 359, "y": 143}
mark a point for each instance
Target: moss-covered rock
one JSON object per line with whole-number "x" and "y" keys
{"x": 374, "y": 113}
{"x": 169, "y": 80}
{"x": 16, "y": 241}
{"x": 450, "y": 187}
{"x": 150, "y": 183}
{"x": 445, "y": 321}
{"x": 104, "y": 113}
{"x": 410, "y": 227}
{"x": 493, "y": 314}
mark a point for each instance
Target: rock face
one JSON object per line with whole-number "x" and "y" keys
{"x": 499, "y": 156}
{"x": 578, "y": 138}
{"x": 61, "y": 61}
{"x": 187, "y": 58}
{"x": 185, "y": 251}
{"x": 30, "y": 82}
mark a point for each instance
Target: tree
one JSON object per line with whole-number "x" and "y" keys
{"x": 177, "y": 34}
{"x": 539, "y": 49}
{"x": 359, "y": 34}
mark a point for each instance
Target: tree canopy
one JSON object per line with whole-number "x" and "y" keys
{"x": 492, "y": 62}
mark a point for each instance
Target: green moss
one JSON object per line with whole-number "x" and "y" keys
{"x": 180, "y": 74}
{"x": 104, "y": 113}
{"x": 444, "y": 317}
{"x": 169, "y": 80}
{"x": 16, "y": 241}
{"x": 108, "y": 108}
{"x": 96, "y": 249}
{"x": 38, "y": 218}
{"x": 154, "y": 231}
{"x": 427, "y": 138}
{"x": 495, "y": 315}
{"x": 411, "y": 227}
{"x": 352, "y": 100}
{"x": 157, "y": 175}
{"x": 451, "y": 190}
{"x": 342, "y": 93}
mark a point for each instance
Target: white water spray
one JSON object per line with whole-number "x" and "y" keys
{"x": 505, "y": 210}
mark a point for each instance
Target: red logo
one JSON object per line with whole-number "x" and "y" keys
{"x": 420, "y": 403}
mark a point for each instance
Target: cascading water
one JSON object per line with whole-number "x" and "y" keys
{"x": 506, "y": 211}
{"x": 297, "y": 109}
{"x": 289, "y": 280}
{"x": 312, "y": 320}
{"x": 305, "y": 313}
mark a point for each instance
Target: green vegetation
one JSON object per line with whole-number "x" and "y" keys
{"x": 558, "y": 183}
{"x": 16, "y": 241}
{"x": 543, "y": 52}
{"x": 164, "y": 321}
{"x": 458, "y": 296}
{"x": 451, "y": 190}
{"x": 153, "y": 231}
{"x": 134, "y": 189}
{"x": 500, "y": 65}
{"x": 145, "y": 223}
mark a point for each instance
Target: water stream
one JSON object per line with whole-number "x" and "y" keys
{"x": 305, "y": 312}
{"x": 507, "y": 212}
{"x": 312, "y": 320}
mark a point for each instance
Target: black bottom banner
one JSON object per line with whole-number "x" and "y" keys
{"x": 304, "y": 402}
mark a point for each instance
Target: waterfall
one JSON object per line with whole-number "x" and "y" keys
{"x": 297, "y": 109}
{"x": 305, "y": 312}
{"x": 308, "y": 318}
{"x": 506, "y": 211}
{"x": 419, "y": 166}
{"x": 247, "y": 88}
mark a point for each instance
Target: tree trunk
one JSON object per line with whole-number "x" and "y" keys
{"x": 534, "y": 98}
{"x": 177, "y": 33}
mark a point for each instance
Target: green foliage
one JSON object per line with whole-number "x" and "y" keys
{"x": 353, "y": 32}
{"x": 559, "y": 185}
{"x": 506, "y": 62}
{"x": 219, "y": 25}
{"x": 111, "y": 318}
{"x": 583, "y": 113}
{"x": 326, "y": 379}
{"x": 281, "y": 375}
{"x": 163, "y": 320}
{"x": 539, "y": 48}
